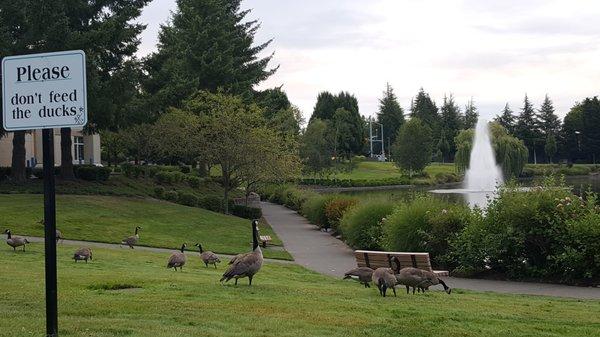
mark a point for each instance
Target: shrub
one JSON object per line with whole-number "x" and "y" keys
{"x": 246, "y": 212}
{"x": 91, "y": 173}
{"x": 579, "y": 261}
{"x": 38, "y": 172}
{"x": 159, "y": 192}
{"x": 336, "y": 208}
{"x": 362, "y": 225}
{"x": 314, "y": 209}
{"x": 171, "y": 196}
{"x": 4, "y": 173}
{"x": 425, "y": 224}
{"x": 211, "y": 203}
{"x": 185, "y": 169}
{"x": 194, "y": 182}
{"x": 165, "y": 177}
{"x": 188, "y": 199}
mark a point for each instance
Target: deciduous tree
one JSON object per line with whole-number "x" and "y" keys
{"x": 412, "y": 150}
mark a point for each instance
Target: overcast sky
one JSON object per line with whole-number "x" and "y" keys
{"x": 493, "y": 51}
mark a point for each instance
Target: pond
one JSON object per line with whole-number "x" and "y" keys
{"x": 455, "y": 193}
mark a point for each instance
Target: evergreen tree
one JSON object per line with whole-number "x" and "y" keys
{"x": 590, "y": 108}
{"x": 325, "y": 107}
{"x": 548, "y": 121}
{"x": 550, "y": 147}
{"x": 471, "y": 115}
{"x": 424, "y": 108}
{"x": 390, "y": 114}
{"x": 526, "y": 126}
{"x": 571, "y": 134}
{"x": 443, "y": 146}
{"x": 207, "y": 45}
{"x": 507, "y": 119}
{"x": 451, "y": 125}
{"x": 104, "y": 30}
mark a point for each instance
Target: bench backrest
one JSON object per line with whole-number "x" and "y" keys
{"x": 374, "y": 259}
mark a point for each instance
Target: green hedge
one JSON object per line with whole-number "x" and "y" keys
{"x": 166, "y": 177}
{"x": 246, "y": 212}
{"x": 91, "y": 173}
{"x": 355, "y": 182}
{"x": 362, "y": 226}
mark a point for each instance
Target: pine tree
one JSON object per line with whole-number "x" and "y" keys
{"x": 390, "y": 114}
{"x": 471, "y": 115}
{"x": 208, "y": 45}
{"x": 424, "y": 108}
{"x": 548, "y": 121}
{"x": 325, "y": 107}
{"x": 590, "y": 108}
{"x": 526, "y": 127}
{"x": 507, "y": 119}
{"x": 451, "y": 125}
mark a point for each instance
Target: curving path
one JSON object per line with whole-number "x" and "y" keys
{"x": 323, "y": 253}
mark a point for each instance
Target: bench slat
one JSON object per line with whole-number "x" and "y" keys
{"x": 375, "y": 259}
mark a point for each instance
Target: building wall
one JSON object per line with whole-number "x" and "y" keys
{"x": 33, "y": 148}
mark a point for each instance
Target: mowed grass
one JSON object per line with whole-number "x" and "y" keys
{"x": 285, "y": 300}
{"x": 381, "y": 170}
{"x": 110, "y": 219}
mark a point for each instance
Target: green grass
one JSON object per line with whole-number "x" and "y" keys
{"x": 381, "y": 170}
{"x": 285, "y": 300}
{"x": 110, "y": 219}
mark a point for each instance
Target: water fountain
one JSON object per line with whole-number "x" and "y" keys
{"x": 483, "y": 176}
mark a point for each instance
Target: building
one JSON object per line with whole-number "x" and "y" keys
{"x": 86, "y": 148}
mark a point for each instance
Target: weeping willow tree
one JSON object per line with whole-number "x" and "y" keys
{"x": 511, "y": 153}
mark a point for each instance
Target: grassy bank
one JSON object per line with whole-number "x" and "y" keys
{"x": 109, "y": 219}
{"x": 285, "y": 300}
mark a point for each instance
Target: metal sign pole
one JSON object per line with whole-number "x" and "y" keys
{"x": 50, "y": 233}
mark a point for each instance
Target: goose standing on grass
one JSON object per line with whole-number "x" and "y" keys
{"x": 59, "y": 235}
{"x": 248, "y": 264}
{"x": 363, "y": 274}
{"x": 15, "y": 241}
{"x": 208, "y": 257}
{"x": 418, "y": 278}
{"x": 177, "y": 259}
{"x": 384, "y": 279}
{"x": 84, "y": 254}
{"x": 132, "y": 240}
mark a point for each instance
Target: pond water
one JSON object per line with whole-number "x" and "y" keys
{"x": 455, "y": 193}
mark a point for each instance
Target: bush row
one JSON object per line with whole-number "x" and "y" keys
{"x": 164, "y": 175}
{"x": 355, "y": 182}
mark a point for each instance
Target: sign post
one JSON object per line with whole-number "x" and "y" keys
{"x": 46, "y": 91}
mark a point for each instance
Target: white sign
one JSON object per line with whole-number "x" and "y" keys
{"x": 44, "y": 91}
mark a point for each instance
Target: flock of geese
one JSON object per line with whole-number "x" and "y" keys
{"x": 240, "y": 266}
{"x": 248, "y": 264}
{"x": 389, "y": 278}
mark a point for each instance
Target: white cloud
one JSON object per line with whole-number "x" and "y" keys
{"x": 492, "y": 51}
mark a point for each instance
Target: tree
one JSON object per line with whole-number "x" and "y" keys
{"x": 139, "y": 142}
{"x": 548, "y": 121}
{"x": 316, "y": 147}
{"x": 590, "y": 108}
{"x": 511, "y": 153}
{"x": 113, "y": 145}
{"x": 207, "y": 45}
{"x": 287, "y": 121}
{"x": 471, "y": 115}
{"x": 571, "y": 134}
{"x": 105, "y": 30}
{"x": 390, "y": 114}
{"x": 444, "y": 147}
{"x": 413, "y": 146}
{"x": 507, "y": 119}
{"x": 424, "y": 108}
{"x": 174, "y": 137}
{"x": 550, "y": 147}
{"x": 526, "y": 128}
{"x": 325, "y": 107}
{"x": 451, "y": 125}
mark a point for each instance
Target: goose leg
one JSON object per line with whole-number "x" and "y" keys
{"x": 413, "y": 290}
{"x": 236, "y": 281}
{"x": 407, "y": 289}
{"x": 249, "y": 280}
{"x": 394, "y": 289}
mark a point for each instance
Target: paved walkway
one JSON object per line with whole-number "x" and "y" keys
{"x": 323, "y": 253}
{"x": 142, "y": 248}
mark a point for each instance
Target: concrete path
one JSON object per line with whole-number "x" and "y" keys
{"x": 142, "y": 248}
{"x": 323, "y": 253}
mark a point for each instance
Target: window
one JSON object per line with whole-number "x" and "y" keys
{"x": 78, "y": 147}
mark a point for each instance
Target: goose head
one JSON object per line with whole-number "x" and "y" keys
{"x": 199, "y": 246}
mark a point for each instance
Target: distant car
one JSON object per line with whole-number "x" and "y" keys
{"x": 380, "y": 157}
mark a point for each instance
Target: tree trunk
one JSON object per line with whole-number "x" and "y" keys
{"x": 17, "y": 171}
{"x": 226, "y": 200}
{"x": 66, "y": 156}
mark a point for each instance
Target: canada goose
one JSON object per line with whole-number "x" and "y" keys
{"x": 419, "y": 279}
{"x": 15, "y": 241}
{"x": 177, "y": 259}
{"x": 248, "y": 264}
{"x": 208, "y": 257}
{"x": 84, "y": 253}
{"x": 384, "y": 279}
{"x": 363, "y": 274}
{"x": 59, "y": 235}
{"x": 132, "y": 240}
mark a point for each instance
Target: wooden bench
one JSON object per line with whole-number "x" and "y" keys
{"x": 264, "y": 240}
{"x": 374, "y": 260}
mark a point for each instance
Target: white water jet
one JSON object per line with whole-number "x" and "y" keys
{"x": 484, "y": 176}
{"x": 483, "y": 173}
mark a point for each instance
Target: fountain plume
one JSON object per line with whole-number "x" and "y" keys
{"x": 483, "y": 173}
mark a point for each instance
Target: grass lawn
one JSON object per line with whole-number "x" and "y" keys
{"x": 285, "y": 300}
{"x": 380, "y": 170}
{"x": 110, "y": 219}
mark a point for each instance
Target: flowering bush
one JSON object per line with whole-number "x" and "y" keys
{"x": 336, "y": 208}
